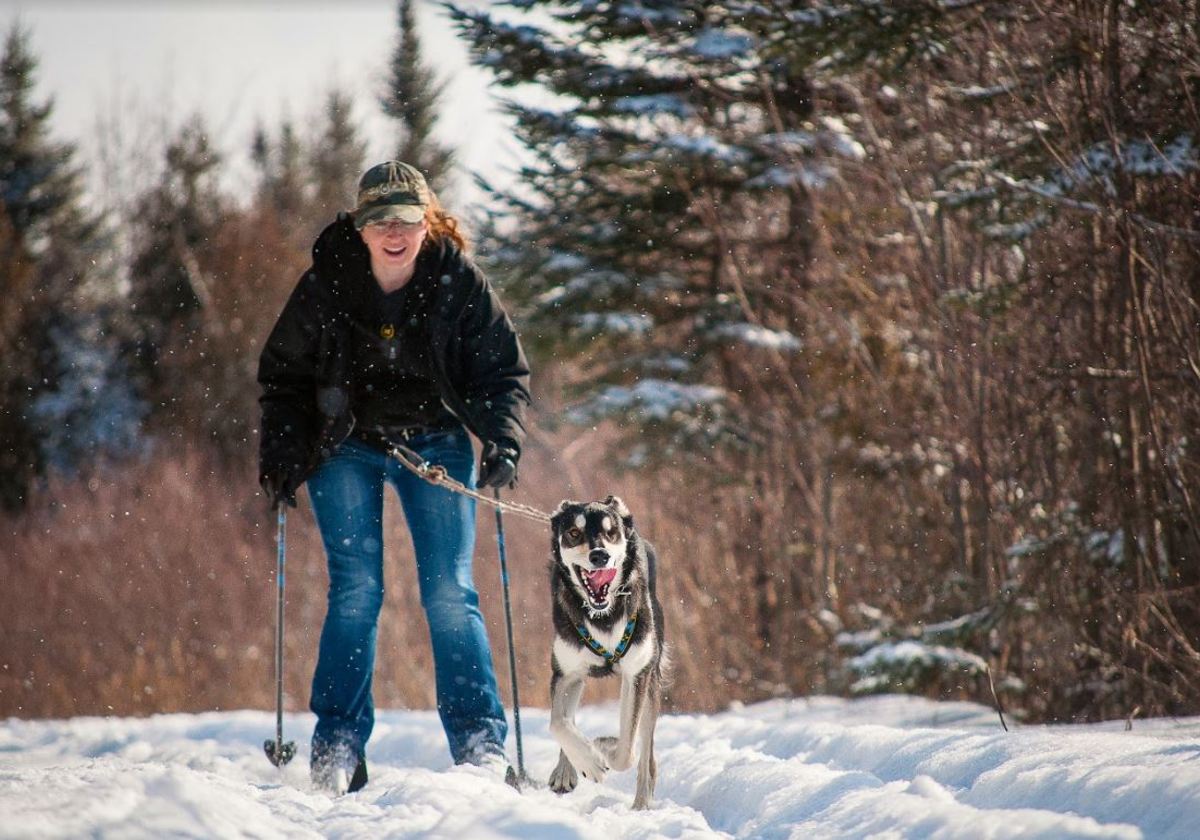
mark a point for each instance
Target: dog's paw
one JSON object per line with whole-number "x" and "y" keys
{"x": 593, "y": 765}
{"x": 564, "y": 778}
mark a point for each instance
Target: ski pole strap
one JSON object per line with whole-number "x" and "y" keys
{"x": 613, "y": 657}
{"x": 437, "y": 474}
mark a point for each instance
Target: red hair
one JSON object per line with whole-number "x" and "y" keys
{"x": 442, "y": 225}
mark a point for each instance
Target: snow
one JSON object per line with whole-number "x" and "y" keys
{"x": 652, "y": 104}
{"x": 892, "y": 766}
{"x": 789, "y": 142}
{"x": 890, "y": 663}
{"x": 757, "y": 336}
{"x": 652, "y": 399}
{"x": 840, "y": 140}
{"x": 706, "y": 147}
{"x": 615, "y": 323}
{"x": 715, "y": 44}
{"x": 814, "y": 177}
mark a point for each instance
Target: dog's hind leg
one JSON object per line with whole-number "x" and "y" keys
{"x": 647, "y": 767}
{"x": 577, "y": 755}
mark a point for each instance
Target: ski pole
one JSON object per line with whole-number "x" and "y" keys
{"x": 278, "y": 752}
{"x": 512, "y": 655}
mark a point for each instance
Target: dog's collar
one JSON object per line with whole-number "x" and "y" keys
{"x": 613, "y": 657}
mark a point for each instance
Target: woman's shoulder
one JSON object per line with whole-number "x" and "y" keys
{"x": 339, "y": 259}
{"x": 339, "y": 248}
{"x": 452, "y": 270}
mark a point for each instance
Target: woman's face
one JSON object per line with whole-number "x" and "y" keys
{"x": 394, "y": 245}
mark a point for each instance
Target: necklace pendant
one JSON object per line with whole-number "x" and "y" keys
{"x": 387, "y": 331}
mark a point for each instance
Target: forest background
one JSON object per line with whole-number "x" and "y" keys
{"x": 883, "y": 317}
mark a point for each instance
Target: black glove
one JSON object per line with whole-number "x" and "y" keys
{"x": 279, "y": 484}
{"x": 498, "y": 465}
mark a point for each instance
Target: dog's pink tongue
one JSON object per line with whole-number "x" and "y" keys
{"x": 601, "y": 577}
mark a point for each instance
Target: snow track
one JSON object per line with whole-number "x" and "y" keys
{"x": 891, "y": 766}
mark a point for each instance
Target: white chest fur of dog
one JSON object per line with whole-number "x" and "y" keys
{"x": 602, "y": 569}
{"x": 572, "y": 659}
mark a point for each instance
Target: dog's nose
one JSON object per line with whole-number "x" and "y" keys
{"x": 598, "y": 556}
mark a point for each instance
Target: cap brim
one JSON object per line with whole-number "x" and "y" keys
{"x": 410, "y": 213}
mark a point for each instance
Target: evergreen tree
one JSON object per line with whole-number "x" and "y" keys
{"x": 282, "y": 185}
{"x": 176, "y": 222}
{"x": 337, "y": 157}
{"x": 411, "y": 98}
{"x": 1007, "y": 197}
{"x": 48, "y": 245}
{"x": 662, "y": 242}
{"x": 671, "y": 206}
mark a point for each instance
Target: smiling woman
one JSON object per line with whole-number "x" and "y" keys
{"x": 393, "y": 335}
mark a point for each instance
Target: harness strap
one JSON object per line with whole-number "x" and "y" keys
{"x": 612, "y": 658}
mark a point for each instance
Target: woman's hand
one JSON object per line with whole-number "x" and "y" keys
{"x": 498, "y": 465}
{"x": 279, "y": 485}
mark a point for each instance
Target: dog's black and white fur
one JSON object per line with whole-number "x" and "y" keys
{"x": 603, "y": 574}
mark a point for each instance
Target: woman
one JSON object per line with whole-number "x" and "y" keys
{"x": 393, "y": 336}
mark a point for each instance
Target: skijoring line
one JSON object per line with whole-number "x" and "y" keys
{"x": 437, "y": 474}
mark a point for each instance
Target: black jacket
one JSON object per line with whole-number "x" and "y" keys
{"x": 306, "y": 370}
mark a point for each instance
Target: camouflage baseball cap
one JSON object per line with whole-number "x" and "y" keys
{"x": 391, "y": 190}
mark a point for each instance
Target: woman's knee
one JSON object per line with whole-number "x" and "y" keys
{"x": 357, "y": 596}
{"x": 450, "y": 604}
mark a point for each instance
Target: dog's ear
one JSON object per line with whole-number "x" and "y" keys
{"x": 554, "y": 520}
{"x": 616, "y": 504}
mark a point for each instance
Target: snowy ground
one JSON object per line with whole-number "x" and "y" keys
{"x": 883, "y": 767}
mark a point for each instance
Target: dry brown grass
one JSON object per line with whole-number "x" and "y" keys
{"x": 151, "y": 589}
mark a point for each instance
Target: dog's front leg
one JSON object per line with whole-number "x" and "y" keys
{"x": 578, "y": 754}
{"x": 619, "y": 750}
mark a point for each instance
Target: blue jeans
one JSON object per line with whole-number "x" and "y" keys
{"x": 347, "y": 498}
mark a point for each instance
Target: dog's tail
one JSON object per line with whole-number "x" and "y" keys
{"x": 666, "y": 669}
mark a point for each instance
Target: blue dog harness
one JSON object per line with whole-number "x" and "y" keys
{"x": 612, "y": 658}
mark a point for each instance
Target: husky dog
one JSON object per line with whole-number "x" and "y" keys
{"x": 607, "y": 620}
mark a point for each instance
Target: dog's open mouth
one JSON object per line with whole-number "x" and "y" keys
{"x": 597, "y": 583}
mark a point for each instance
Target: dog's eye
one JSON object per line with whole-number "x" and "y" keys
{"x": 574, "y": 535}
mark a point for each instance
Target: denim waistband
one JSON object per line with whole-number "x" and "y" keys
{"x": 380, "y": 438}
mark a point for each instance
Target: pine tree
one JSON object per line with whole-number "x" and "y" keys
{"x": 282, "y": 185}
{"x": 662, "y": 242}
{"x": 671, "y": 205}
{"x": 176, "y": 222}
{"x": 411, "y": 98}
{"x": 337, "y": 157}
{"x": 48, "y": 245}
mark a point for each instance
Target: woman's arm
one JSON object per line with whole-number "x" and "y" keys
{"x": 287, "y": 370}
{"x": 496, "y": 372}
